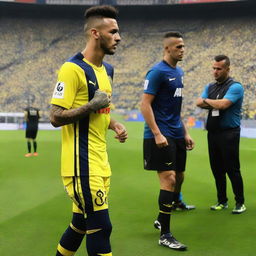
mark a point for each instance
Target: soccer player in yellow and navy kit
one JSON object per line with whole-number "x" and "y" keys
{"x": 80, "y": 104}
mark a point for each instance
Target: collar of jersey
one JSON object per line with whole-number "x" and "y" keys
{"x": 101, "y": 68}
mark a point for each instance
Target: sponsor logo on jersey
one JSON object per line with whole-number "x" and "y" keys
{"x": 172, "y": 79}
{"x": 146, "y": 84}
{"x": 178, "y": 92}
{"x": 59, "y": 90}
{"x": 103, "y": 110}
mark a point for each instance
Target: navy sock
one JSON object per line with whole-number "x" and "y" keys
{"x": 165, "y": 207}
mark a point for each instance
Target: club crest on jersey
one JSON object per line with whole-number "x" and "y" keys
{"x": 178, "y": 92}
{"x": 59, "y": 90}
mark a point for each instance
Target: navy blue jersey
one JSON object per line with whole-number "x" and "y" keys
{"x": 166, "y": 83}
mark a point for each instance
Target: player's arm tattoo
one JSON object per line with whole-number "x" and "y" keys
{"x": 60, "y": 116}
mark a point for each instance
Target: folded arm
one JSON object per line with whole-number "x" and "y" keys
{"x": 220, "y": 104}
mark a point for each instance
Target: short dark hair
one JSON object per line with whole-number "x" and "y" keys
{"x": 104, "y": 11}
{"x": 222, "y": 57}
{"x": 173, "y": 34}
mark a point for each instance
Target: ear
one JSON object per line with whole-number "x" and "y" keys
{"x": 166, "y": 48}
{"x": 95, "y": 33}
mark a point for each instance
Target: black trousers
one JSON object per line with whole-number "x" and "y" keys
{"x": 223, "y": 149}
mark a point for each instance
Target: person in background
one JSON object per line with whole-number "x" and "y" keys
{"x": 166, "y": 139}
{"x": 223, "y": 98}
{"x": 31, "y": 116}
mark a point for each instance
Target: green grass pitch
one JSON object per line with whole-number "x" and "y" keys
{"x": 35, "y": 209}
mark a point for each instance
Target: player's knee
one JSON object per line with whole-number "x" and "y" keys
{"x": 99, "y": 221}
{"x": 107, "y": 229}
{"x": 179, "y": 177}
{"x": 170, "y": 179}
{"x": 78, "y": 222}
{"x": 99, "y": 228}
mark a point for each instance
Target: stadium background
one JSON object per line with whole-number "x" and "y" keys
{"x": 35, "y": 39}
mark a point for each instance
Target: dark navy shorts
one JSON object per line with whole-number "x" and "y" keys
{"x": 169, "y": 158}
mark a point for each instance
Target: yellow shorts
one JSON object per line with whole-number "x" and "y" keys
{"x": 89, "y": 194}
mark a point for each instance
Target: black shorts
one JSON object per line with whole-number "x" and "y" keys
{"x": 172, "y": 157}
{"x": 31, "y": 132}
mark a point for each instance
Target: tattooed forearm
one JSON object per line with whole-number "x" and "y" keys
{"x": 60, "y": 116}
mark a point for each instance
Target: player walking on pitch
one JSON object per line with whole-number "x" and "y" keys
{"x": 80, "y": 104}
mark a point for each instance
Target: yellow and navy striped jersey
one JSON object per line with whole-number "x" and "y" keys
{"x": 84, "y": 142}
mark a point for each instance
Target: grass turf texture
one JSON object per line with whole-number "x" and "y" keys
{"x": 35, "y": 209}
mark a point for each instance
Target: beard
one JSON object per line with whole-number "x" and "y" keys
{"x": 107, "y": 50}
{"x": 104, "y": 46}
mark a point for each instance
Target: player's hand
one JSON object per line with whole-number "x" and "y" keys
{"x": 160, "y": 140}
{"x": 121, "y": 133}
{"x": 190, "y": 144}
{"x": 100, "y": 100}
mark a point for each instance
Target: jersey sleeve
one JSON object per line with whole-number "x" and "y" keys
{"x": 235, "y": 92}
{"x": 204, "y": 94}
{"x": 152, "y": 82}
{"x": 66, "y": 87}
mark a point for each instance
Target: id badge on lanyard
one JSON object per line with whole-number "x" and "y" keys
{"x": 216, "y": 112}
